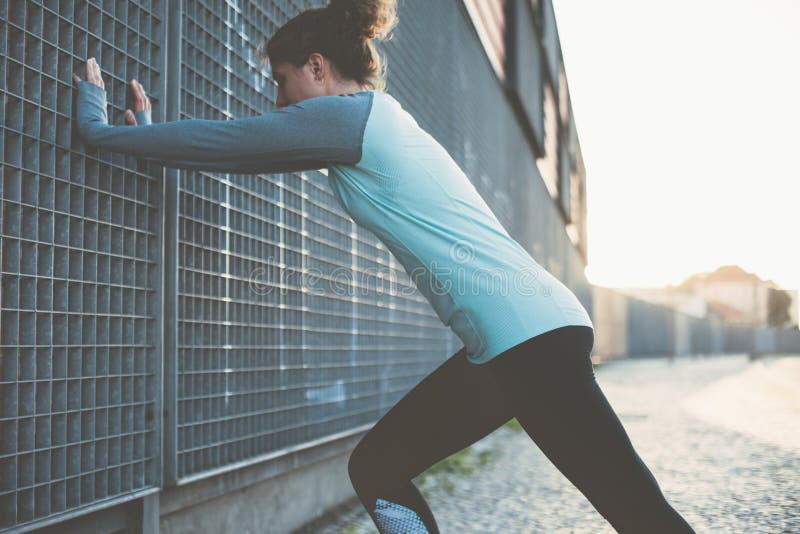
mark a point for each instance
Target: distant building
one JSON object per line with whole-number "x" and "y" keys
{"x": 726, "y": 313}
{"x": 730, "y": 294}
{"x": 739, "y": 297}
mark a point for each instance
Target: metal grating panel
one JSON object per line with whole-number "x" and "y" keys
{"x": 79, "y": 364}
{"x": 284, "y": 333}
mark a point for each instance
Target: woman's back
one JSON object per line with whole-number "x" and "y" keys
{"x": 409, "y": 192}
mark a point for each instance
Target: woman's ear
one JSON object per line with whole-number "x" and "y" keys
{"x": 317, "y": 65}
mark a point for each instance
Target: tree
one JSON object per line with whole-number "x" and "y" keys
{"x": 778, "y": 302}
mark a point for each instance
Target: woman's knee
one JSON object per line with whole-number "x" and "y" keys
{"x": 363, "y": 466}
{"x": 374, "y": 469}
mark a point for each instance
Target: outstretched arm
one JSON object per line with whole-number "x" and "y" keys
{"x": 308, "y": 135}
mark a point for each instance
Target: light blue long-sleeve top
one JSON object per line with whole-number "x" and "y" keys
{"x": 391, "y": 177}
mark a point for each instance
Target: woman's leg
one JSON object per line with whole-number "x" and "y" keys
{"x": 454, "y": 406}
{"x": 560, "y": 405}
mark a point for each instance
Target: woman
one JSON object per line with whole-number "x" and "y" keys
{"x": 527, "y": 338}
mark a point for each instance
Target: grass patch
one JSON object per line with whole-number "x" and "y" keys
{"x": 443, "y": 474}
{"x": 484, "y": 457}
{"x": 459, "y": 463}
{"x": 513, "y": 424}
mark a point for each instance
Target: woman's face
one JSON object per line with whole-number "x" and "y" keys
{"x": 295, "y": 83}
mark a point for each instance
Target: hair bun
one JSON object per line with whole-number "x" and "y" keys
{"x": 364, "y": 19}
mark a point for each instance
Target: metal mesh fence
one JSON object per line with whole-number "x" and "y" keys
{"x": 289, "y": 330}
{"x": 79, "y": 363}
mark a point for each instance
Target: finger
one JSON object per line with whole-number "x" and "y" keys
{"x": 146, "y": 98}
{"x": 99, "y": 74}
{"x": 137, "y": 93}
{"x": 93, "y": 68}
{"x": 75, "y": 78}
{"x": 130, "y": 118}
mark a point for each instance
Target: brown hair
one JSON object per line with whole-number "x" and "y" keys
{"x": 343, "y": 32}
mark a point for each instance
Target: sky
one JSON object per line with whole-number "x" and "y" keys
{"x": 688, "y": 115}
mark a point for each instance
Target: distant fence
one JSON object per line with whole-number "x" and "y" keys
{"x": 626, "y": 326}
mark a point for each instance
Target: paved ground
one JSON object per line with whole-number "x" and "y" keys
{"x": 720, "y": 434}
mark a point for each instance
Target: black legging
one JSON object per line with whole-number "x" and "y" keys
{"x": 548, "y": 384}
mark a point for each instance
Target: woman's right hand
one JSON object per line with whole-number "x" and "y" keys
{"x": 142, "y": 102}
